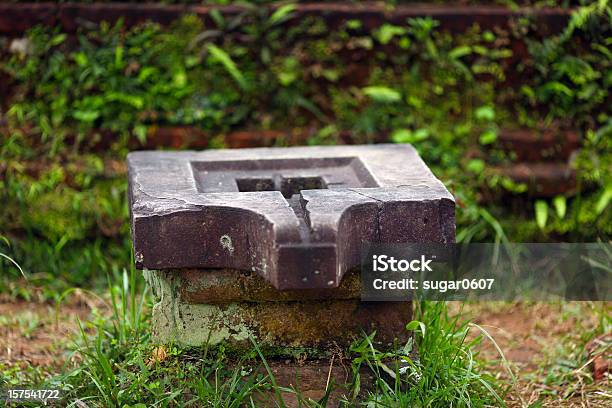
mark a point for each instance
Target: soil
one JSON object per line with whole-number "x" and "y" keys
{"x": 37, "y": 334}
{"x": 531, "y": 337}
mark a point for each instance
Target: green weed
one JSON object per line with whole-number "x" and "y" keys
{"x": 446, "y": 373}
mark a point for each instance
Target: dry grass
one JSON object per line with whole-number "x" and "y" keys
{"x": 545, "y": 346}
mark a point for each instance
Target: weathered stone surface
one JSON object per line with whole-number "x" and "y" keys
{"x": 222, "y": 286}
{"x": 297, "y": 216}
{"x": 285, "y": 325}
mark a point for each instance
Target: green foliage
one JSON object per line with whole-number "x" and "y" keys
{"x": 541, "y": 212}
{"x": 589, "y": 212}
{"x": 572, "y": 72}
{"x": 447, "y": 371}
{"x": 382, "y": 94}
{"x": 83, "y": 90}
{"x": 67, "y": 220}
{"x": 221, "y": 56}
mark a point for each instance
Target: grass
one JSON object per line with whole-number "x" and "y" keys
{"x": 447, "y": 371}
{"x": 113, "y": 362}
{"x": 549, "y": 347}
{"x": 566, "y": 370}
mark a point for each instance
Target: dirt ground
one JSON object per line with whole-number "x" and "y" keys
{"x": 37, "y": 335}
{"x": 541, "y": 343}
{"x": 536, "y": 339}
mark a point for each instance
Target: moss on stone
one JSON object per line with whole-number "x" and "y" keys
{"x": 285, "y": 328}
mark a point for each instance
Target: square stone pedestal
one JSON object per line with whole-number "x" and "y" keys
{"x": 265, "y": 243}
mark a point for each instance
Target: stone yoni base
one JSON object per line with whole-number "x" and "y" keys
{"x": 210, "y": 307}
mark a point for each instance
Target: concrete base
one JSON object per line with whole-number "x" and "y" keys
{"x": 210, "y": 307}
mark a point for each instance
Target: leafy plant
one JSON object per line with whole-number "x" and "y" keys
{"x": 446, "y": 372}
